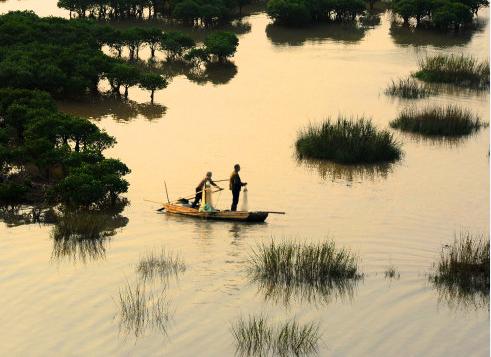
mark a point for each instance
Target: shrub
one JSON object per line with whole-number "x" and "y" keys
{"x": 347, "y": 141}
{"x": 438, "y": 121}
{"x": 221, "y": 45}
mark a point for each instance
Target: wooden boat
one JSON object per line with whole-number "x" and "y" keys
{"x": 236, "y": 216}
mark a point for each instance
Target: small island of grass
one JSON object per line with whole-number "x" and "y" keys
{"x": 461, "y": 70}
{"x": 347, "y": 141}
{"x": 407, "y": 88}
{"x": 438, "y": 121}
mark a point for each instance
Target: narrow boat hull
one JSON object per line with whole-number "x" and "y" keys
{"x": 235, "y": 216}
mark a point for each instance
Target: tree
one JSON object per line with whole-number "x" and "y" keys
{"x": 289, "y": 12}
{"x": 122, "y": 74}
{"x": 175, "y": 43}
{"x": 222, "y": 45}
{"x": 152, "y": 82}
{"x": 152, "y": 37}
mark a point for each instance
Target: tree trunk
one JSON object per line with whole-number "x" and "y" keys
{"x": 125, "y": 92}
{"x": 151, "y": 96}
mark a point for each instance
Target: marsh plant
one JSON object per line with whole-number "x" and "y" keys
{"x": 140, "y": 309}
{"x": 162, "y": 264}
{"x": 462, "y": 273}
{"x": 462, "y": 70}
{"x": 81, "y": 225}
{"x": 408, "y": 88}
{"x": 309, "y": 272}
{"x": 392, "y": 273}
{"x": 447, "y": 120}
{"x": 347, "y": 141}
{"x": 256, "y": 336}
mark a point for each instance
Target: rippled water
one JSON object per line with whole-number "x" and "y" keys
{"x": 400, "y": 215}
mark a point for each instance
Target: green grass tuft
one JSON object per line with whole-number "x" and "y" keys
{"x": 347, "y": 141}
{"x": 256, "y": 337}
{"x": 462, "y": 70}
{"x": 438, "y": 121}
{"x": 408, "y": 88}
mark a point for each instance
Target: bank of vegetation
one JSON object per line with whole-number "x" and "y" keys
{"x": 447, "y": 120}
{"x": 461, "y": 70}
{"x": 440, "y": 14}
{"x": 347, "y": 141}
{"x": 192, "y": 12}
{"x": 256, "y": 336}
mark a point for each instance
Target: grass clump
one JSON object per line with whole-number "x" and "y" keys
{"x": 310, "y": 272}
{"x": 311, "y": 263}
{"x": 465, "y": 264}
{"x": 407, "y": 88}
{"x": 448, "y": 120}
{"x": 347, "y": 141}
{"x": 256, "y": 337}
{"x": 462, "y": 70}
{"x": 162, "y": 264}
{"x": 139, "y": 310}
{"x": 391, "y": 272}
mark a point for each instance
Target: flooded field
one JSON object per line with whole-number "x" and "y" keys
{"x": 65, "y": 300}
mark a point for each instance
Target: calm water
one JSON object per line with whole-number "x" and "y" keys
{"x": 399, "y": 215}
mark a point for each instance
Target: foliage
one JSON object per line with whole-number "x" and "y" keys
{"x": 175, "y": 43}
{"x": 303, "y": 12}
{"x": 438, "y": 121}
{"x": 347, "y": 141}
{"x": 221, "y": 45}
{"x": 461, "y": 70}
{"x": 442, "y": 14}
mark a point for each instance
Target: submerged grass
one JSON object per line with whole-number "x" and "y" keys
{"x": 347, "y": 141}
{"x": 448, "y": 120}
{"x": 256, "y": 337}
{"x": 81, "y": 225}
{"x": 407, "y": 88}
{"x": 139, "y": 309}
{"x": 162, "y": 264}
{"x": 463, "y": 269}
{"x": 462, "y": 70}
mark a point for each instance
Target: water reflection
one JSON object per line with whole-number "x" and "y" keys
{"x": 83, "y": 236}
{"x": 214, "y": 73}
{"x": 318, "y": 293}
{"x": 458, "y": 297}
{"x": 329, "y": 170}
{"x": 14, "y": 216}
{"x": 410, "y": 36}
{"x": 344, "y": 33}
{"x": 434, "y": 141}
{"x": 97, "y": 107}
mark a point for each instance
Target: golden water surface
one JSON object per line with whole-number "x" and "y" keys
{"x": 398, "y": 215}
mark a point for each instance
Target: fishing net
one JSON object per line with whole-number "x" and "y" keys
{"x": 244, "y": 206}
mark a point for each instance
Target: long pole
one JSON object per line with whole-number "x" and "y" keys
{"x": 166, "y": 192}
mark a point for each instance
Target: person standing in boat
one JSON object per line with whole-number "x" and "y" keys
{"x": 200, "y": 188}
{"x": 235, "y": 185}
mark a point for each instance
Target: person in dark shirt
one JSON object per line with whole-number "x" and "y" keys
{"x": 235, "y": 185}
{"x": 201, "y": 187}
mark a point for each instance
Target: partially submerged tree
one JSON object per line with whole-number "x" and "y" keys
{"x": 152, "y": 82}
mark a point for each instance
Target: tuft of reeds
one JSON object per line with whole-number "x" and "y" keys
{"x": 314, "y": 272}
{"x": 462, "y": 70}
{"x": 465, "y": 264}
{"x": 407, "y": 88}
{"x": 347, "y": 141}
{"x": 448, "y": 121}
{"x": 256, "y": 337}
{"x": 139, "y": 309}
{"x": 289, "y": 262}
{"x": 162, "y": 264}
{"x": 391, "y": 272}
